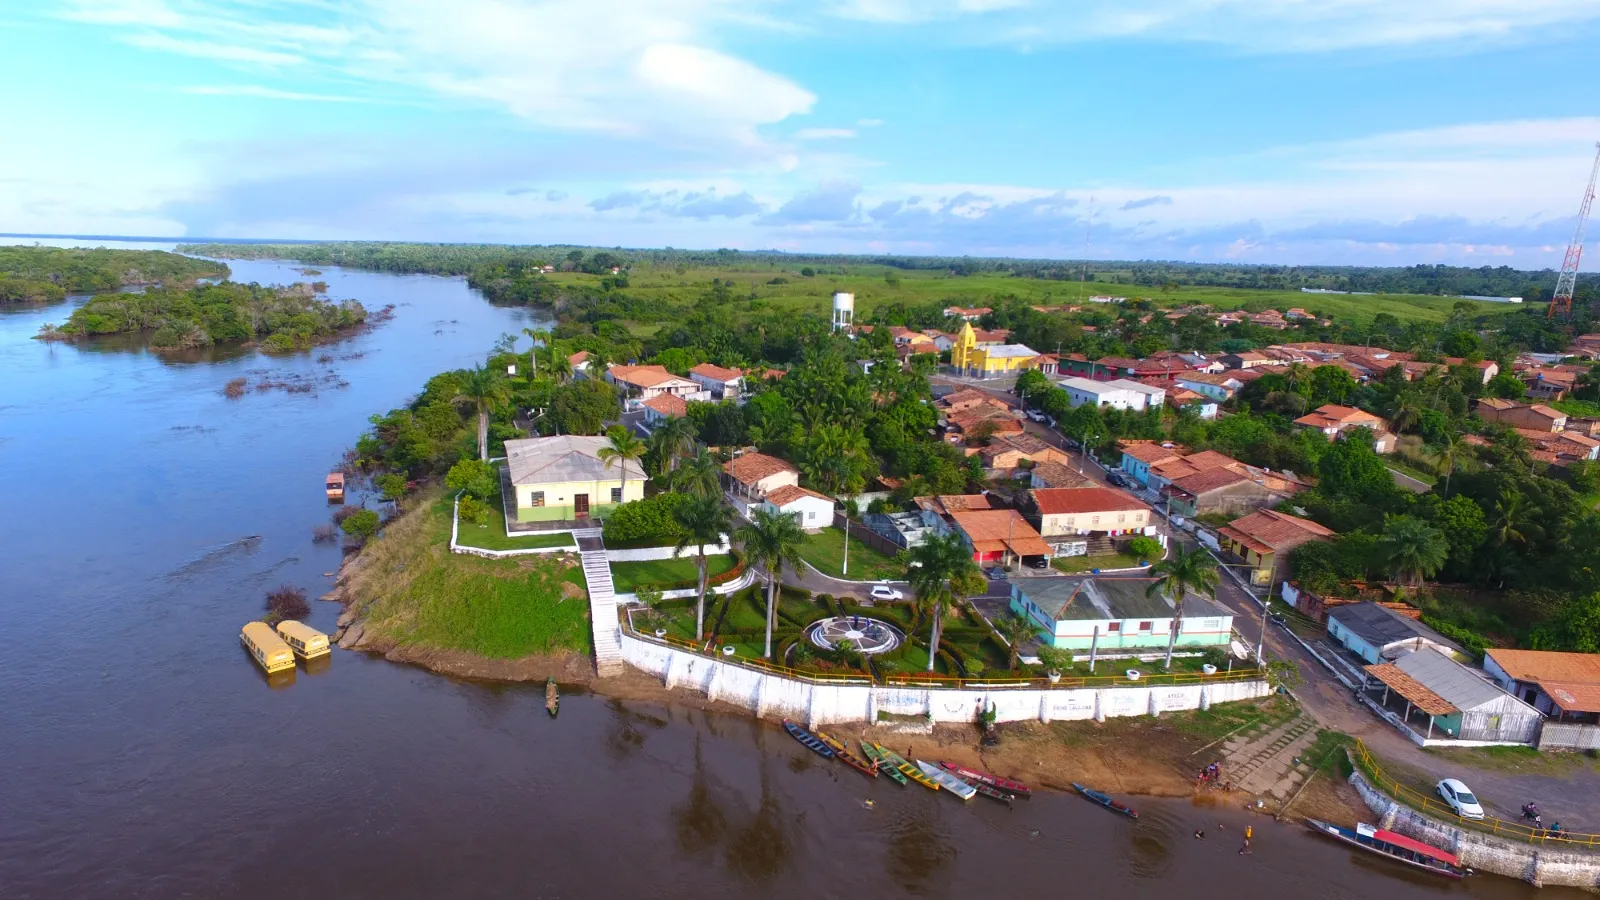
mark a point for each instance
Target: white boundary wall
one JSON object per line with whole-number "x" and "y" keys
{"x": 644, "y": 554}
{"x": 764, "y": 694}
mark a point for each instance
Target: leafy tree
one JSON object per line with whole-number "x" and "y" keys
{"x": 362, "y": 524}
{"x": 1575, "y": 628}
{"x": 623, "y": 447}
{"x": 941, "y": 572}
{"x": 1413, "y": 549}
{"x": 650, "y": 519}
{"x": 699, "y": 476}
{"x": 704, "y": 520}
{"x": 581, "y": 407}
{"x": 1015, "y": 629}
{"x": 392, "y": 486}
{"x": 1351, "y": 469}
{"x": 771, "y": 540}
{"x": 476, "y": 477}
{"x": 1183, "y": 573}
{"x": 1506, "y": 386}
{"x": 1144, "y": 547}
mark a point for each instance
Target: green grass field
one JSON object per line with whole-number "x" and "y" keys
{"x": 493, "y": 537}
{"x": 1085, "y": 563}
{"x": 423, "y": 594}
{"x": 825, "y": 551}
{"x": 802, "y": 294}
{"x": 666, "y": 574}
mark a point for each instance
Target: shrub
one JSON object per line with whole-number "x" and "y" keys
{"x": 393, "y": 486}
{"x": 288, "y": 602}
{"x": 324, "y": 533}
{"x": 473, "y": 510}
{"x": 1145, "y": 548}
{"x": 343, "y": 513}
{"x": 476, "y": 477}
{"x": 1472, "y": 641}
{"x": 363, "y": 523}
{"x": 235, "y": 388}
{"x": 650, "y": 519}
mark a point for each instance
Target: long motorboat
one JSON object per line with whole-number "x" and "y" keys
{"x": 1004, "y": 785}
{"x": 1106, "y": 801}
{"x": 843, "y": 754}
{"x": 993, "y": 793}
{"x": 808, "y": 740}
{"x": 1397, "y": 847}
{"x": 884, "y": 766}
{"x": 947, "y": 781}
{"x": 907, "y": 769}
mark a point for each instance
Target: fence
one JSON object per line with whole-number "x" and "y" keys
{"x": 1567, "y": 736}
{"x": 1363, "y": 760}
{"x": 862, "y": 534}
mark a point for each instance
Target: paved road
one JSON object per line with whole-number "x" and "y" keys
{"x": 1411, "y": 484}
{"x": 1000, "y": 389}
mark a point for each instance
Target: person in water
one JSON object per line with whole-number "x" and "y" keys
{"x": 1200, "y": 833}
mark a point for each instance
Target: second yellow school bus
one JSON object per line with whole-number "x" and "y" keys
{"x": 270, "y": 652}
{"x": 305, "y": 641}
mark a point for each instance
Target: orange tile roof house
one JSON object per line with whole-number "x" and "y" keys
{"x": 966, "y": 421}
{"x": 662, "y": 407}
{"x": 1563, "y": 685}
{"x": 1536, "y": 416}
{"x": 998, "y": 535}
{"x": 1057, "y": 475}
{"x": 640, "y": 383}
{"x": 1008, "y": 451}
{"x": 1072, "y": 512}
{"x": 811, "y": 511}
{"x": 972, "y": 398}
{"x": 1264, "y": 538}
{"x": 722, "y": 383}
{"x": 1334, "y": 420}
{"x": 753, "y": 476}
{"x": 1167, "y": 471}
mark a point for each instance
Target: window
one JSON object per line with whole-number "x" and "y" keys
{"x": 1114, "y": 627}
{"x": 536, "y": 498}
{"x": 811, "y": 514}
{"x": 1145, "y": 626}
{"x": 1095, "y": 520}
{"x": 616, "y": 495}
{"x": 1121, "y": 517}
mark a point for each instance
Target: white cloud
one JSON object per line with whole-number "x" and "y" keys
{"x": 256, "y": 90}
{"x": 213, "y": 50}
{"x": 824, "y": 134}
{"x": 868, "y": 123}
{"x": 1257, "y": 26}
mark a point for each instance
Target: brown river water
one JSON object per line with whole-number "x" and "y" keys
{"x": 142, "y": 754}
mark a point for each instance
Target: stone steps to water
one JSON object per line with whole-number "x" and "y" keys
{"x": 602, "y": 610}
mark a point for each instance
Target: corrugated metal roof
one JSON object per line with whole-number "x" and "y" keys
{"x": 563, "y": 458}
{"x": 1456, "y": 683}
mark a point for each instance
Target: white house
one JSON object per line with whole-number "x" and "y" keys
{"x": 1218, "y": 387}
{"x": 662, "y": 407}
{"x": 722, "y": 383}
{"x": 810, "y": 509}
{"x": 1118, "y": 394}
{"x": 1115, "y": 615}
{"x": 640, "y": 383}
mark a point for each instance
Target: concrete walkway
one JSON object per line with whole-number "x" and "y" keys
{"x": 602, "y": 603}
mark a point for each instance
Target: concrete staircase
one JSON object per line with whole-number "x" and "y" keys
{"x": 1263, "y": 763}
{"x": 602, "y": 603}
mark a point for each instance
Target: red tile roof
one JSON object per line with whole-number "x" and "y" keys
{"x": 644, "y": 376}
{"x": 1073, "y": 501}
{"x": 783, "y": 496}
{"x": 752, "y": 467}
{"x": 715, "y": 373}
{"x": 1209, "y": 480}
{"x": 668, "y": 405}
{"x": 1265, "y": 530}
{"x": 1150, "y": 451}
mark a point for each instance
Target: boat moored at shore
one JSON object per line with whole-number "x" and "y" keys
{"x": 1397, "y": 847}
{"x": 264, "y": 646}
{"x": 305, "y": 641}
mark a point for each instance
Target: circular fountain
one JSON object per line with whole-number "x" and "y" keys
{"x": 863, "y": 634}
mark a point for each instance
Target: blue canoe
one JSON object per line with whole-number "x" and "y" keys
{"x": 808, "y": 740}
{"x": 1106, "y": 801}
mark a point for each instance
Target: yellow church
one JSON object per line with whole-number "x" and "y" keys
{"x": 987, "y": 360}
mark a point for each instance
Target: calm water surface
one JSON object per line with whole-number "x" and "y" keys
{"x": 143, "y": 755}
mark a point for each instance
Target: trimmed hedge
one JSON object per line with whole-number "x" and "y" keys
{"x": 650, "y": 519}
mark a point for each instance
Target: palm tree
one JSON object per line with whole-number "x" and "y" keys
{"x": 537, "y": 336}
{"x": 598, "y": 362}
{"x": 699, "y": 476}
{"x": 484, "y": 389}
{"x": 1511, "y": 524}
{"x": 1404, "y": 411}
{"x": 771, "y": 541}
{"x": 1015, "y": 629}
{"x": 1449, "y": 447}
{"x": 675, "y": 438}
{"x": 560, "y": 367}
{"x": 625, "y": 447}
{"x": 1413, "y": 549}
{"x": 704, "y": 520}
{"x": 941, "y": 573}
{"x": 1183, "y": 573}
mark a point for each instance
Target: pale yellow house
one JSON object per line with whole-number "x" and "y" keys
{"x": 562, "y": 478}
{"x": 976, "y": 360}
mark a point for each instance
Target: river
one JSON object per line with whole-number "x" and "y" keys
{"x": 143, "y": 755}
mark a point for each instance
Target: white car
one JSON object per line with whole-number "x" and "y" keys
{"x": 884, "y": 592}
{"x": 1036, "y": 415}
{"x": 1460, "y": 798}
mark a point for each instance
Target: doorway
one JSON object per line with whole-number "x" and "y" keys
{"x": 580, "y": 505}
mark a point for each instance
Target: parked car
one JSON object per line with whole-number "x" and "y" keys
{"x": 1117, "y": 479}
{"x": 1039, "y": 562}
{"x": 1035, "y": 415}
{"x": 996, "y": 573}
{"x": 884, "y": 592}
{"x": 1460, "y": 798}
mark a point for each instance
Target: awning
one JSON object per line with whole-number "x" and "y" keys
{"x": 1411, "y": 689}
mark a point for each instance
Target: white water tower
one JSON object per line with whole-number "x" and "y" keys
{"x": 844, "y": 310}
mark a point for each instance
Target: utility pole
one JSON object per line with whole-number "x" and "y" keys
{"x": 1266, "y": 604}
{"x": 844, "y": 568}
{"x": 1567, "y": 281}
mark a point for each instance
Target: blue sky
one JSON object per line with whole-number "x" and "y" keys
{"x": 1294, "y": 131}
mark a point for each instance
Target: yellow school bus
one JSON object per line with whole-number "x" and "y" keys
{"x": 305, "y": 641}
{"x": 273, "y": 654}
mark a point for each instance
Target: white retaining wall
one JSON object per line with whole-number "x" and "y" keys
{"x": 644, "y": 554}
{"x": 824, "y": 703}
{"x": 745, "y": 579}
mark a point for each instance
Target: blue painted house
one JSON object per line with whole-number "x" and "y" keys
{"x": 1139, "y": 456}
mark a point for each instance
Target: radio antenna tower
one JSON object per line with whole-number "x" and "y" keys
{"x": 1567, "y": 283}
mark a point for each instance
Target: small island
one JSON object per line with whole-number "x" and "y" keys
{"x": 281, "y": 319}
{"x": 49, "y": 274}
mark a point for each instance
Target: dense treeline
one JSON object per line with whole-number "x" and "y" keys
{"x": 281, "y": 318}
{"x": 466, "y": 259}
{"x": 39, "y": 274}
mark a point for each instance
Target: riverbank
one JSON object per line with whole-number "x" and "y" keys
{"x": 409, "y": 599}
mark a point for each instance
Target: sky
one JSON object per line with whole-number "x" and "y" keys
{"x": 1263, "y": 131}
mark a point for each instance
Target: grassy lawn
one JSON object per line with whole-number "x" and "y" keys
{"x": 421, "y": 593}
{"x": 1085, "y": 563}
{"x": 1226, "y": 718}
{"x": 825, "y": 551}
{"x": 664, "y": 574}
{"x": 493, "y": 537}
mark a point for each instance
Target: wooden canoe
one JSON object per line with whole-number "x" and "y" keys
{"x": 907, "y": 769}
{"x": 807, "y": 740}
{"x": 552, "y": 698}
{"x": 843, "y": 754}
{"x": 1106, "y": 801}
{"x": 1003, "y": 785}
{"x": 883, "y": 765}
{"x": 1397, "y": 847}
{"x": 950, "y": 783}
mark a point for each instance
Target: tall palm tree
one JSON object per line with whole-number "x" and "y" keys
{"x": 624, "y": 447}
{"x": 1449, "y": 447}
{"x": 698, "y": 476}
{"x": 1511, "y": 523}
{"x": 1015, "y": 629}
{"x": 771, "y": 541}
{"x": 1183, "y": 573}
{"x": 560, "y": 367}
{"x": 675, "y": 438}
{"x": 1404, "y": 410}
{"x": 537, "y": 336}
{"x": 483, "y": 388}
{"x": 1413, "y": 549}
{"x": 704, "y": 520}
{"x": 941, "y": 573}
